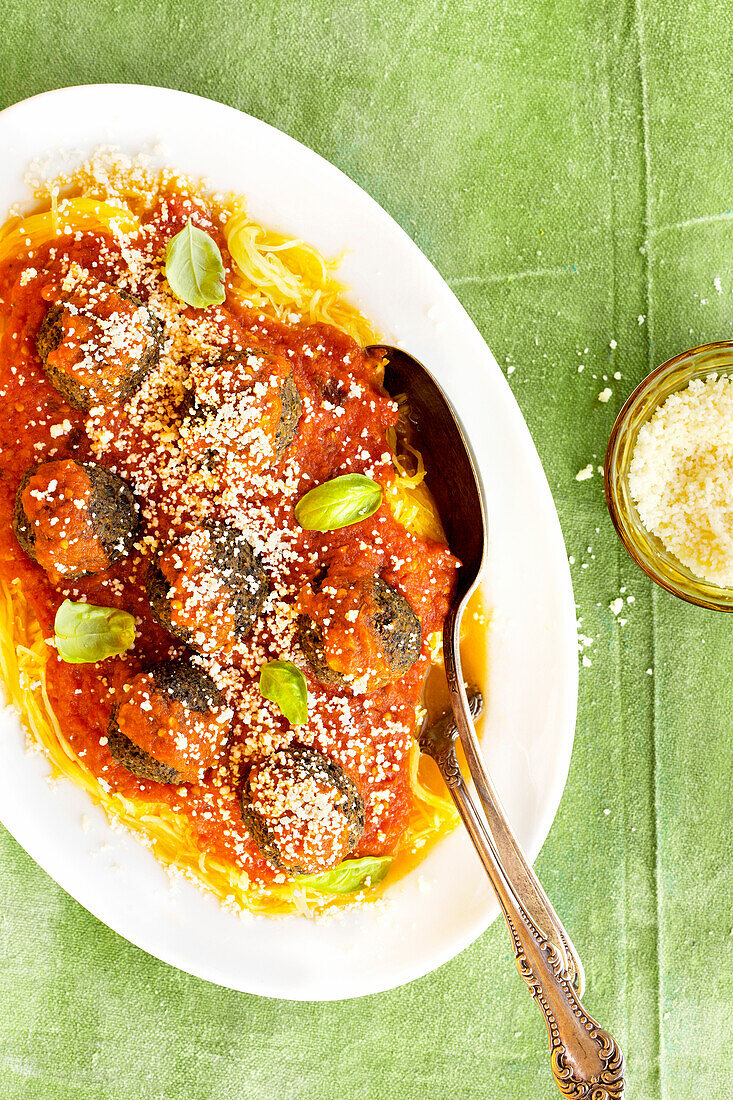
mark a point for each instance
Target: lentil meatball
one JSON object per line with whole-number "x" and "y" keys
{"x": 357, "y": 632}
{"x": 208, "y": 588}
{"x": 170, "y": 724}
{"x": 245, "y": 407}
{"x": 74, "y": 518}
{"x": 97, "y": 345}
{"x": 302, "y": 810}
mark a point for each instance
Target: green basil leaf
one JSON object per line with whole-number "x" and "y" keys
{"x": 349, "y": 876}
{"x": 284, "y": 684}
{"x": 339, "y": 503}
{"x": 86, "y": 633}
{"x": 194, "y": 268}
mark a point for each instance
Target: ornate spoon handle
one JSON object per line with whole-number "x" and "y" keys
{"x": 515, "y": 864}
{"x": 587, "y": 1063}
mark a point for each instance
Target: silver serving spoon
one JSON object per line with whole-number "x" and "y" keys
{"x": 586, "y": 1060}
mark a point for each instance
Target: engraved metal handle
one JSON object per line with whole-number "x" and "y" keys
{"x": 515, "y": 863}
{"x": 587, "y": 1063}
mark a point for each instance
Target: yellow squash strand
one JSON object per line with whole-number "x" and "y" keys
{"x": 287, "y": 276}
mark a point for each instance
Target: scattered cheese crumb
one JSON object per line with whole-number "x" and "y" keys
{"x": 616, "y": 606}
{"x": 585, "y": 473}
{"x": 605, "y": 395}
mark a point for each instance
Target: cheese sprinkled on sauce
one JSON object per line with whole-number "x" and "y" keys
{"x": 198, "y": 443}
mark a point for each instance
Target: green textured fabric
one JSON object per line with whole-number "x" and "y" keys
{"x": 568, "y": 168}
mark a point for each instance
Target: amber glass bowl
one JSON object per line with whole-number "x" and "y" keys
{"x": 646, "y": 549}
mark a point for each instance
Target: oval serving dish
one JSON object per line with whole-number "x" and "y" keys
{"x": 528, "y": 734}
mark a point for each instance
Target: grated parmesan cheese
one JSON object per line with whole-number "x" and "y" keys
{"x": 681, "y": 477}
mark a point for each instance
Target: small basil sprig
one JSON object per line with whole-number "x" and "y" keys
{"x": 194, "y": 268}
{"x": 339, "y": 503}
{"x": 85, "y": 633}
{"x": 284, "y": 684}
{"x": 349, "y": 876}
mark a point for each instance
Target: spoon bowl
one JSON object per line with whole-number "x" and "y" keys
{"x": 450, "y": 467}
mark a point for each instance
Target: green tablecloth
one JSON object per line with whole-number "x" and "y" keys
{"x": 568, "y": 168}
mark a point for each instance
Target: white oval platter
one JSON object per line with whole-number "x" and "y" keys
{"x": 531, "y": 681}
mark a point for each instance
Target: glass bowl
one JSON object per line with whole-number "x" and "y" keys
{"x": 646, "y": 549}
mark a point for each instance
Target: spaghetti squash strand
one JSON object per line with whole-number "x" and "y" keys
{"x": 290, "y": 276}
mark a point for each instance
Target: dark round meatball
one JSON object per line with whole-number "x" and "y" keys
{"x": 170, "y": 724}
{"x": 97, "y": 345}
{"x": 389, "y": 626}
{"x": 245, "y": 407}
{"x": 302, "y": 810}
{"x": 74, "y": 518}
{"x": 208, "y": 587}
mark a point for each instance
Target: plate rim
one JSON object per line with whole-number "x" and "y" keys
{"x": 568, "y": 689}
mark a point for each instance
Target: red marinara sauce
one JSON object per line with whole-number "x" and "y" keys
{"x": 56, "y": 503}
{"x": 342, "y": 429}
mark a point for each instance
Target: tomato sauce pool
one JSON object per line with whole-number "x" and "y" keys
{"x": 345, "y": 417}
